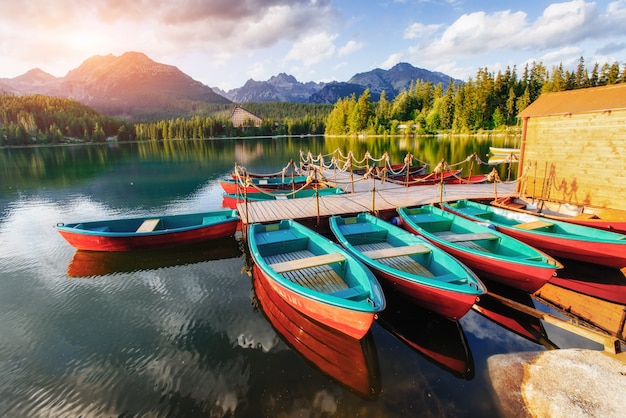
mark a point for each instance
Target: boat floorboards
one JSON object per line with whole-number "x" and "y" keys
{"x": 403, "y": 262}
{"x": 321, "y": 278}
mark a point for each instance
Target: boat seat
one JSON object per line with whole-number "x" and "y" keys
{"x": 475, "y": 212}
{"x": 397, "y": 251}
{"x": 148, "y": 225}
{"x": 534, "y": 225}
{"x": 308, "y": 262}
{"x": 469, "y": 237}
{"x": 356, "y": 292}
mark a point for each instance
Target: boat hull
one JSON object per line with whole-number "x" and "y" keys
{"x": 519, "y": 276}
{"x": 447, "y": 303}
{"x": 349, "y": 361}
{"x": 614, "y": 225}
{"x": 354, "y": 324}
{"x": 93, "y": 240}
{"x": 599, "y": 247}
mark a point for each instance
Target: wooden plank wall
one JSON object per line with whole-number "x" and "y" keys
{"x": 577, "y": 158}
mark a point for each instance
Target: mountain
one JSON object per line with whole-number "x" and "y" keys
{"x": 135, "y": 87}
{"x": 285, "y": 88}
{"x": 280, "y": 88}
{"x": 392, "y": 82}
{"x": 130, "y": 86}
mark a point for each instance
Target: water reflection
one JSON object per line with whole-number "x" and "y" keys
{"x": 352, "y": 362}
{"x": 524, "y": 325}
{"x": 438, "y": 339}
{"x": 98, "y": 263}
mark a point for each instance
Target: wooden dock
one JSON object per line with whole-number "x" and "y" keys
{"x": 369, "y": 196}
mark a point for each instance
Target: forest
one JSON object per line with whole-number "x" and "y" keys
{"x": 487, "y": 101}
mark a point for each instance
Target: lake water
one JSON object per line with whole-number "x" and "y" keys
{"x": 181, "y": 333}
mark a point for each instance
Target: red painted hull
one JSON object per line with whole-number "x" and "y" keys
{"x": 231, "y": 187}
{"x": 352, "y": 323}
{"x": 149, "y": 241}
{"x": 447, "y": 303}
{"x": 343, "y": 358}
{"x": 520, "y": 276}
{"x": 607, "y": 254}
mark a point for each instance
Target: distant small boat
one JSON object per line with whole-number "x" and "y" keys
{"x": 315, "y": 276}
{"x": 607, "y": 219}
{"x": 504, "y": 151}
{"x": 149, "y": 232}
{"x": 351, "y": 362}
{"x": 489, "y": 253}
{"x": 252, "y": 185}
{"x": 427, "y": 179}
{"x": 559, "y": 239}
{"x": 410, "y": 264}
{"x": 231, "y": 200}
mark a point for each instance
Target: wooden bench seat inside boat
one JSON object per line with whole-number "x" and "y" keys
{"x": 534, "y": 225}
{"x": 398, "y": 261}
{"x": 475, "y": 236}
{"x": 308, "y": 262}
{"x": 396, "y": 251}
{"x": 321, "y": 278}
{"x": 148, "y": 225}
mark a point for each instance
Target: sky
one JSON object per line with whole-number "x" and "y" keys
{"x": 224, "y": 43}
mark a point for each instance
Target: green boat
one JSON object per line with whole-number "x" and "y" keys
{"x": 489, "y": 253}
{"x": 557, "y": 238}
{"x": 409, "y": 264}
{"x": 231, "y": 200}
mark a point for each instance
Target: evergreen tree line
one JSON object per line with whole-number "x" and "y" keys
{"x": 485, "y": 102}
{"x": 38, "y": 119}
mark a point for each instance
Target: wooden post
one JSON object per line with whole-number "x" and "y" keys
{"x": 373, "y": 194}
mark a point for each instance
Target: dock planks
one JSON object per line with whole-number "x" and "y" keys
{"x": 386, "y": 196}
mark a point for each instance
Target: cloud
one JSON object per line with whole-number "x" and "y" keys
{"x": 313, "y": 49}
{"x": 350, "y": 48}
{"x": 560, "y": 29}
{"x": 419, "y": 30}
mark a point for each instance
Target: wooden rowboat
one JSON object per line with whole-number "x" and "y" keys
{"x": 351, "y": 362}
{"x": 315, "y": 276}
{"x": 607, "y": 219}
{"x": 149, "y": 232}
{"x": 231, "y": 200}
{"x": 257, "y": 185}
{"x": 427, "y": 179}
{"x": 410, "y": 264}
{"x": 489, "y": 253}
{"x": 559, "y": 239}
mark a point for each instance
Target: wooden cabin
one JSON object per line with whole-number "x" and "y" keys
{"x": 573, "y": 147}
{"x": 241, "y": 118}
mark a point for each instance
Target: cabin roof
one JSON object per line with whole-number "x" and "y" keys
{"x": 589, "y": 100}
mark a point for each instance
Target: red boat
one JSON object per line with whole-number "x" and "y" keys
{"x": 427, "y": 179}
{"x": 607, "y": 219}
{"x": 559, "y": 239}
{"x": 257, "y": 185}
{"x": 315, "y": 276}
{"x": 149, "y": 232}
{"x": 489, "y": 253}
{"x": 349, "y": 361}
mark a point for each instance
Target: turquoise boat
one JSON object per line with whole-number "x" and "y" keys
{"x": 230, "y": 200}
{"x": 315, "y": 276}
{"x": 557, "y": 238}
{"x": 410, "y": 264}
{"x": 489, "y": 253}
